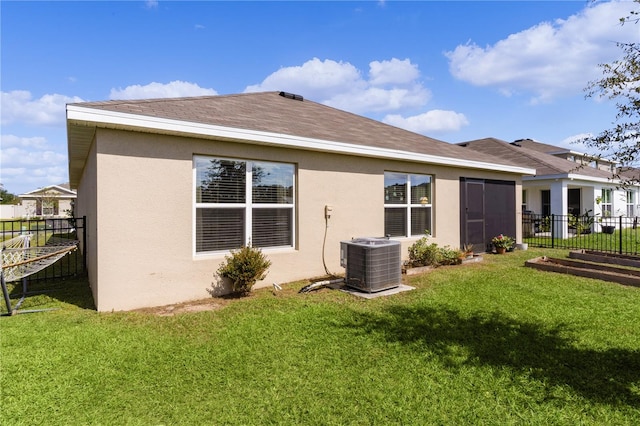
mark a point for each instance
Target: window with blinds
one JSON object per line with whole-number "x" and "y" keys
{"x": 407, "y": 204}
{"x": 239, "y": 202}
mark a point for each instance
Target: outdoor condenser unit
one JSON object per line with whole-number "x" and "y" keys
{"x": 372, "y": 264}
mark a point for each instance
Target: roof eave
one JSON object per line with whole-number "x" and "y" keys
{"x": 98, "y": 118}
{"x": 571, "y": 176}
{"x": 64, "y": 192}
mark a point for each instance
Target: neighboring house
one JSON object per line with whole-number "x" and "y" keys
{"x": 48, "y": 202}
{"x": 566, "y": 182}
{"x": 170, "y": 186}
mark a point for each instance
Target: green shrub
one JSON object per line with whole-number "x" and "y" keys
{"x": 449, "y": 256}
{"x": 244, "y": 268}
{"x": 423, "y": 253}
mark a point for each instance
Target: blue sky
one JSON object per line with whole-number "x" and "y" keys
{"x": 453, "y": 70}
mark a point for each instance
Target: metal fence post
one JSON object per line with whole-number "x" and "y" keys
{"x": 620, "y": 233}
{"x": 553, "y": 231}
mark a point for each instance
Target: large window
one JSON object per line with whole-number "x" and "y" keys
{"x": 407, "y": 204}
{"x": 239, "y": 202}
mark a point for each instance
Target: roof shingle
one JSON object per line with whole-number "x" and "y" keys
{"x": 545, "y": 164}
{"x": 269, "y": 112}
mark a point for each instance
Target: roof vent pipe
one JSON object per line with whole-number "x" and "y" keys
{"x": 291, "y": 96}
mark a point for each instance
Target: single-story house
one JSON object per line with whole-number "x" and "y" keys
{"x": 49, "y": 202}
{"x": 566, "y": 182}
{"x": 170, "y": 186}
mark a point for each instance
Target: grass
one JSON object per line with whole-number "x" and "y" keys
{"x": 628, "y": 242}
{"x": 487, "y": 343}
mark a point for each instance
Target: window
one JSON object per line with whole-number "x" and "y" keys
{"x": 545, "y": 202}
{"x": 407, "y": 204}
{"x": 524, "y": 200}
{"x": 240, "y": 202}
{"x": 631, "y": 201}
{"x": 46, "y": 207}
{"x": 606, "y": 202}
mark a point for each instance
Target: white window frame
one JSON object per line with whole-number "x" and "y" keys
{"x": 607, "y": 199}
{"x": 407, "y": 205}
{"x": 631, "y": 202}
{"x": 248, "y": 206}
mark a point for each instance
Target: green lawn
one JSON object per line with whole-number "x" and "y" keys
{"x": 625, "y": 241}
{"x": 491, "y": 343}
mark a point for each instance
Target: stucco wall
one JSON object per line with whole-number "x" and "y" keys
{"x": 144, "y": 190}
{"x": 86, "y": 205}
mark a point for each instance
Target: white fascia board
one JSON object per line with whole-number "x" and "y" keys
{"x": 545, "y": 177}
{"x": 64, "y": 192}
{"x": 571, "y": 177}
{"x": 133, "y": 121}
{"x": 610, "y": 181}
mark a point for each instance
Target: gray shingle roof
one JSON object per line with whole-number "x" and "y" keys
{"x": 539, "y": 146}
{"x": 534, "y": 157}
{"x": 269, "y": 112}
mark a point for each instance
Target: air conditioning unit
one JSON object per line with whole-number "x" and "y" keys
{"x": 372, "y": 264}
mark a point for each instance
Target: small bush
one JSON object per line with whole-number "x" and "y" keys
{"x": 244, "y": 268}
{"x": 423, "y": 253}
{"x": 449, "y": 256}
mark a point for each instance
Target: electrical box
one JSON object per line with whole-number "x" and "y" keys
{"x": 327, "y": 211}
{"x": 372, "y": 264}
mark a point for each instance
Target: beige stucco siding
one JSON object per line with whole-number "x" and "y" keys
{"x": 143, "y": 192}
{"x": 86, "y": 205}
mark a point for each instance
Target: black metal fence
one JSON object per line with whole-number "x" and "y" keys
{"x": 46, "y": 231}
{"x": 591, "y": 232}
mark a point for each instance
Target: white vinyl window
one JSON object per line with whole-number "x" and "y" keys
{"x": 47, "y": 207}
{"x": 607, "y": 195}
{"x": 407, "y": 204}
{"x": 631, "y": 203}
{"x": 240, "y": 202}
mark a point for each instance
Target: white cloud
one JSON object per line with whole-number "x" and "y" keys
{"x": 151, "y": 4}
{"x": 21, "y": 180}
{"x": 30, "y": 163}
{"x": 394, "y": 71}
{"x": 431, "y": 121}
{"x": 374, "y": 99}
{"x": 393, "y": 85}
{"x": 549, "y": 59}
{"x": 19, "y": 106}
{"x": 12, "y": 141}
{"x": 22, "y": 157}
{"x": 174, "y": 89}
{"x": 18, "y": 152}
{"x": 314, "y": 79}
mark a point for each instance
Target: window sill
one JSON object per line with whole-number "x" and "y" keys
{"x": 214, "y": 255}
